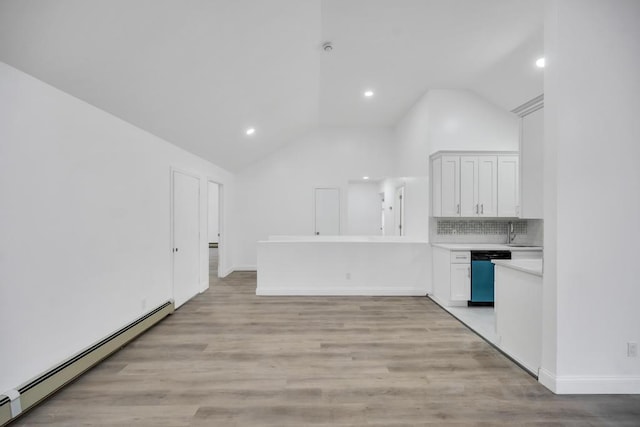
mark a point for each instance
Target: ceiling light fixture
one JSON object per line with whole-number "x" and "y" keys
{"x": 327, "y": 46}
{"x": 368, "y": 93}
{"x": 365, "y": 178}
{"x": 250, "y": 131}
{"x": 540, "y": 62}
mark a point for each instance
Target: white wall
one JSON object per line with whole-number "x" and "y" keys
{"x": 412, "y": 148}
{"x": 85, "y": 224}
{"x": 213, "y": 213}
{"x": 592, "y": 101}
{"x": 277, "y": 192}
{"x": 462, "y": 120}
{"x": 364, "y": 207}
{"x": 444, "y": 119}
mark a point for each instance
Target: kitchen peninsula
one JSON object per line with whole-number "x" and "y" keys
{"x": 343, "y": 265}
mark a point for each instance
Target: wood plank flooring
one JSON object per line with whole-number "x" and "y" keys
{"x": 229, "y": 358}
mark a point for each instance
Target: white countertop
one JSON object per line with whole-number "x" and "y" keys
{"x": 484, "y": 246}
{"x": 531, "y": 266}
{"x": 343, "y": 239}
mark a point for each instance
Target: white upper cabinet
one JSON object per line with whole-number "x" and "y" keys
{"x": 531, "y": 163}
{"x": 469, "y": 184}
{"x": 509, "y": 186}
{"x": 488, "y": 185}
{"x": 478, "y": 186}
{"x": 436, "y": 187}
{"x": 450, "y": 186}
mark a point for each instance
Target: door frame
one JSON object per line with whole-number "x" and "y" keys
{"x": 221, "y": 238}
{"x": 172, "y": 171}
{"x": 400, "y": 207}
{"x": 383, "y": 211}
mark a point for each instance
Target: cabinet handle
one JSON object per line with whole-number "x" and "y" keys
{"x": 482, "y": 208}
{"x": 458, "y": 208}
{"x": 476, "y": 208}
{"x": 469, "y": 272}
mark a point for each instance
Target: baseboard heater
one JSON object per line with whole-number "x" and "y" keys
{"x": 39, "y": 388}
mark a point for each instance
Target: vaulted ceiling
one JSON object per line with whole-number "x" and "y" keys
{"x": 198, "y": 73}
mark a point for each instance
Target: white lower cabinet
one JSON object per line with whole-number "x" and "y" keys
{"x": 460, "y": 282}
{"x": 451, "y": 277}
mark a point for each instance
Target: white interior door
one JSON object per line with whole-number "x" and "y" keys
{"x": 213, "y": 225}
{"x": 186, "y": 237}
{"x": 327, "y": 211}
{"x": 399, "y": 211}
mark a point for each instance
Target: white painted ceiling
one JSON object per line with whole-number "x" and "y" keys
{"x": 198, "y": 73}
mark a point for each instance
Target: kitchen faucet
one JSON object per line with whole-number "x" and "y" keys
{"x": 511, "y": 234}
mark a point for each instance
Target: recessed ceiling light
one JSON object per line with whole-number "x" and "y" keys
{"x": 540, "y": 62}
{"x": 365, "y": 177}
{"x": 250, "y": 131}
{"x": 368, "y": 93}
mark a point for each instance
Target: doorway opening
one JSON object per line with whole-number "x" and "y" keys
{"x": 327, "y": 212}
{"x": 214, "y": 203}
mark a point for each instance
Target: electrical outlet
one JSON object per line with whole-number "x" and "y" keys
{"x": 632, "y": 349}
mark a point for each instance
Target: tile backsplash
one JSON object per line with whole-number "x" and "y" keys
{"x": 479, "y": 227}
{"x": 451, "y": 230}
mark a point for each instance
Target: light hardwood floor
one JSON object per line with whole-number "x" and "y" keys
{"x": 229, "y": 358}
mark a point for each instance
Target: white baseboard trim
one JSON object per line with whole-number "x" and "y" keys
{"x": 228, "y": 271}
{"x": 329, "y": 291}
{"x": 245, "y": 268}
{"x": 225, "y": 273}
{"x": 445, "y": 304}
{"x": 204, "y": 286}
{"x": 584, "y": 384}
{"x": 547, "y": 379}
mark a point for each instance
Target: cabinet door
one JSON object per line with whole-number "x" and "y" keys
{"x": 450, "y": 186}
{"x": 468, "y": 186}
{"x": 531, "y": 164}
{"x": 436, "y": 187}
{"x": 460, "y": 282}
{"x": 488, "y": 186}
{"x": 508, "y": 186}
